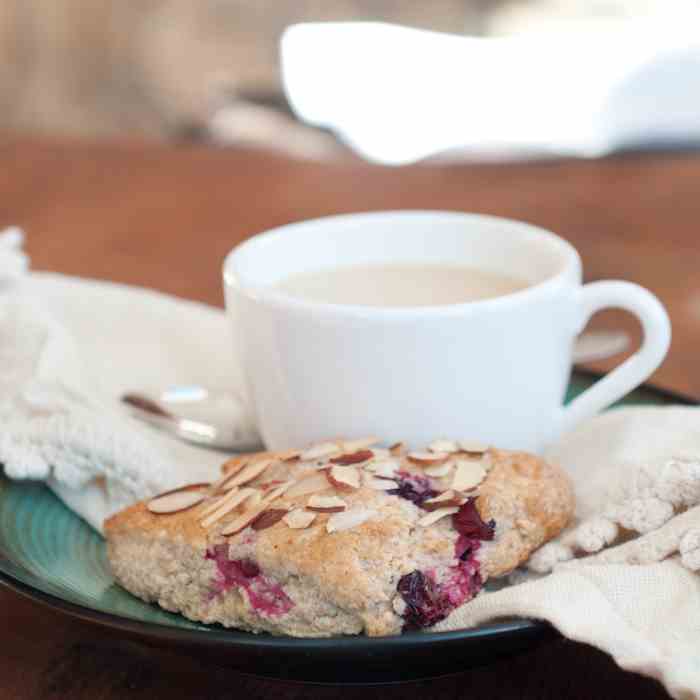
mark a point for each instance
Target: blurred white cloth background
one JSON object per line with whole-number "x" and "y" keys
{"x": 397, "y": 95}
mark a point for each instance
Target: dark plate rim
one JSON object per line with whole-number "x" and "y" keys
{"x": 214, "y": 636}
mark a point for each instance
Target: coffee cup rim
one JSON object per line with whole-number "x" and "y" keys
{"x": 234, "y": 277}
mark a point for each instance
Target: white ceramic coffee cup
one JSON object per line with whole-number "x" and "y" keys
{"x": 494, "y": 370}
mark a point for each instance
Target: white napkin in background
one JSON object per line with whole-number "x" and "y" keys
{"x": 70, "y": 347}
{"x": 397, "y": 95}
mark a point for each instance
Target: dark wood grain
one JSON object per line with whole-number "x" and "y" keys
{"x": 164, "y": 217}
{"x": 47, "y": 655}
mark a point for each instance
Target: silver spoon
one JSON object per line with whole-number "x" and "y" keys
{"x": 218, "y": 420}
{"x": 221, "y": 421}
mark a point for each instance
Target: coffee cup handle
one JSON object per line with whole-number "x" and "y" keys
{"x": 656, "y": 328}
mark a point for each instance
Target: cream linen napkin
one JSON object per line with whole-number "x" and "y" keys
{"x": 68, "y": 349}
{"x": 639, "y": 600}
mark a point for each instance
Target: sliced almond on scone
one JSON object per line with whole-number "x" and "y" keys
{"x": 378, "y": 483}
{"x": 427, "y": 459}
{"x": 445, "y": 500}
{"x": 385, "y": 467}
{"x": 279, "y": 490}
{"x": 467, "y": 475}
{"x": 326, "y": 504}
{"x": 251, "y": 471}
{"x": 353, "y": 457}
{"x": 256, "y": 506}
{"x": 348, "y": 519}
{"x": 200, "y": 487}
{"x": 233, "y": 466}
{"x": 298, "y": 519}
{"x": 313, "y": 483}
{"x": 242, "y": 521}
{"x": 396, "y": 450}
{"x": 343, "y": 478}
{"x": 221, "y": 486}
{"x": 319, "y": 451}
{"x": 218, "y": 501}
{"x": 443, "y": 446}
{"x": 230, "y": 469}
{"x": 175, "y": 501}
{"x": 225, "y": 505}
{"x": 436, "y": 515}
{"x": 439, "y": 470}
{"x": 268, "y": 518}
{"x": 473, "y": 447}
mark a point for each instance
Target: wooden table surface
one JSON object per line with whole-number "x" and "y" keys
{"x": 164, "y": 217}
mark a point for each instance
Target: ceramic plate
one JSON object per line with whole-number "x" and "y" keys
{"x": 50, "y": 555}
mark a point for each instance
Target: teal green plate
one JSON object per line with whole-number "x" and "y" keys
{"x": 50, "y": 555}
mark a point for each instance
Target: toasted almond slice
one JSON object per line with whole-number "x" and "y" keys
{"x": 348, "y": 519}
{"x": 385, "y": 467}
{"x": 268, "y": 518}
{"x": 252, "y": 471}
{"x": 299, "y": 518}
{"x": 269, "y": 485}
{"x": 175, "y": 501}
{"x": 473, "y": 447}
{"x": 256, "y": 506}
{"x": 445, "y": 500}
{"x": 234, "y": 465}
{"x": 439, "y": 470}
{"x": 427, "y": 459}
{"x": 361, "y": 444}
{"x": 467, "y": 475}
{"x": 444, "y": 496}
{"x": 201, "y": 486}
{"x": 443, "y": 446}
{"x": 225, "y": 505}
{"x": 353, "y": 457}
{"x": 326, "y": 504}
{"x": 436, "y": 515}
{"x": 311, "y": 484}
{"x": 378, "y": 484}
{"x": 323, "y": 449}
{"x": 287, "y": 455}
{"x": 243, "y": 520}
{"x": 229, "y": 469}
{"x": 397, "y": 449}
{"x": 343, "y": 478}
{"x": 222, "y": 485}
{"x": 218, "y": 501}
{"x": 278, "y": 491}
{"x": 254, "y": 499}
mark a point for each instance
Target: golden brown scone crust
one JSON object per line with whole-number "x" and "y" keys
{"x": 341, "y": 582}
{"x": 531, "y": 502}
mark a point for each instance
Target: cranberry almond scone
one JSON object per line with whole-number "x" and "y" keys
{"x": 341, "y": 538}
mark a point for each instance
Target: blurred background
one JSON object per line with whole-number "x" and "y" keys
{"x": 209, "y": 70}
{"x": 101, "y": 99}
